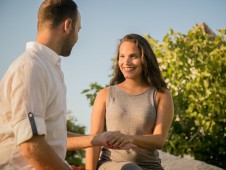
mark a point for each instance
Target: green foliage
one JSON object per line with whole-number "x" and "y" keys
{"x": 92, "y": 92}
{"x": 194, "y": 66}
{"x": 75, "y": 157}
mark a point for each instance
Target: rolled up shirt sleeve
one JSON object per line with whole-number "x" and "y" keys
{"x": 29, "y": 102}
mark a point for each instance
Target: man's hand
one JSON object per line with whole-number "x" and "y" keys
{"x": 102, "y": 139}
{"x": 113, "y": 140}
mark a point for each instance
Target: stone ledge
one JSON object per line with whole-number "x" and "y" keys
{"x": 171, "y": 162}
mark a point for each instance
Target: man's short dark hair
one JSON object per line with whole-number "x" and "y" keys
{"x": 54, "y": 12}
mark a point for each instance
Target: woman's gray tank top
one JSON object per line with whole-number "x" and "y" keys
{"x": 132, "y": 115}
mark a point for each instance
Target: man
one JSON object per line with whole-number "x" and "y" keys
{"x": 33, "y": 131}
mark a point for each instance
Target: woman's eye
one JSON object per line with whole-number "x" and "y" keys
{"x": 134, "y": 56}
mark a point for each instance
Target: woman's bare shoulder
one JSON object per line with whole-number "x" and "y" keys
{"x": 166, "y": 95}
{"x": 103, "y": 93}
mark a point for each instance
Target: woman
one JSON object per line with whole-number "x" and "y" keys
{"x": 138, "y": 104}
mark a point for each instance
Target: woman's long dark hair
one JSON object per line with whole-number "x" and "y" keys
{"x": 151, "y": 71}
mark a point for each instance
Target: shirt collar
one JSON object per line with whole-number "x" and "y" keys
{"x": 45, "y": 51}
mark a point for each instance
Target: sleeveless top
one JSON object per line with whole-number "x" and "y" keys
{"x": 131, "y": 115}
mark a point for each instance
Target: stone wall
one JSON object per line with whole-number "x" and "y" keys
{"x": 171, "y": 162}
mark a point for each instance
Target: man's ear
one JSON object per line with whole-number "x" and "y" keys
{"x": 68, "y": 25}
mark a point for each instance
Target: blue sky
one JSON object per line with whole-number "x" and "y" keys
{"x": 104, "y": 22}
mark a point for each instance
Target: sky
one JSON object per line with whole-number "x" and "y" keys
{"x": 104, "y": 23}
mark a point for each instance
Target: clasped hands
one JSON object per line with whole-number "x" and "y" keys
{"x": 114, "y": 140}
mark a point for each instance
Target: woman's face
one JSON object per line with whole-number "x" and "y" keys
{"x": 130, "y": 60}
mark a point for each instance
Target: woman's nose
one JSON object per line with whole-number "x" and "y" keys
{"x": 127, "y": 60}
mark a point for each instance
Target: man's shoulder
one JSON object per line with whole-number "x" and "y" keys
{"x": 27, "y": 61}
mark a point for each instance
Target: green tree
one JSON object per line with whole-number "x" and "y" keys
{"x": 92, "y": 91}
{"x": 75, "y": 157}
{"x": 194, "y": 67}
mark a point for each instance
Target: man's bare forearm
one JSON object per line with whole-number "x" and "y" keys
{"x": 41, "y": 156}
